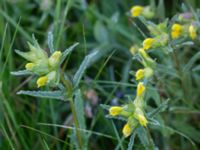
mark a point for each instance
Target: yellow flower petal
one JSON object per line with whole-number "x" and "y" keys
{"x": 139, "y": 74}
{"x": 176, "y": 30}
{"x": 140, "y": 89}
{"x": 193, "y": 32}
{"x": 42, "y": 81}
{"x": 127, "y": 130}
{"x": 115, "y": 110}
{"x": 136, "y": 11}
{"x": 147, "y": 43}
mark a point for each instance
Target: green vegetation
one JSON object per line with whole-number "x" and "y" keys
{"x": 104, "y": 74}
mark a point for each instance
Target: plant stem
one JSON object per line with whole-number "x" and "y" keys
{"x": 78, "y": 134}
{"x": 69, "y": 89}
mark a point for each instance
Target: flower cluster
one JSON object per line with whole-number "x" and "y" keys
{"x": 133, "y": 112}
{"x": 146, "y": 11}
{"x": 186, "y": 26}
{"x": 47, "y": 68}
{"x": 162, "y": 35}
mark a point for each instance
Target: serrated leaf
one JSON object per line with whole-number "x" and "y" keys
{"x": 82, "y": 68}
{"x": 67, "y": 51}
{"x": 44, "y": 94}
{"x": 50, "y": 42}
{"x": 21, "y": 72}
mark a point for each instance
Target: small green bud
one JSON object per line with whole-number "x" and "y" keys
{"x": 54, "y": 60}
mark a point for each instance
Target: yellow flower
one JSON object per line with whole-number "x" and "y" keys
{"x": 147, "y": 43}
{"x": 42, "y": 81}
{"x": 127, "y": 130}
{"x": 115, "y": 110}
{"x": 136, "y": 11}
{"x": 140, "y": 89}
{"x": 139, "y": 74}
{"x": 193, "y": 32}
{"x": 176, "y": 30}
{"x": 143, "y": 121}
{"x": 29, "y": 66}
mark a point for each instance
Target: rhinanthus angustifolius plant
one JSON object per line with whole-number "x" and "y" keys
{"x": 164, "y": 38}
{"x": 39, "y": 63}
{"x": 48, "y": 70}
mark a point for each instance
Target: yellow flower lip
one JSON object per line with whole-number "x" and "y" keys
{"x": 127, "y": 130}
{"x": 42, "y": 81}
{"x": 136, "y": 10}
{"x": 139, "y": 74}
{"x": 176, "y": 30}
{"x": 147, "y": 43}
{"x": 115, "y": 110}
{"x": 140, "y": 89}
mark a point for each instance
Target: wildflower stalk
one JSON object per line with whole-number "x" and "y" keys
{"x": 69, "y": 89}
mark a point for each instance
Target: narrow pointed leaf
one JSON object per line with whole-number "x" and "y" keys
{"x": 44, "y": 94}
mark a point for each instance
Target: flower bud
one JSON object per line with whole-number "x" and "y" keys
{"x": 141, "y": 73}
{"x": 127, "y": 130}
{"x": 142, "y": 119}
{"x": 140, "y": 89}
{"x": 133, "y": 50}
{"x": 115, "y": 110}
{"x": 55, "y": 58}
{"x": 192, "y": 32}
{"x": 29, "y": 66}
{"x": 42, "y": 81}
{"x": 148, "y": 12}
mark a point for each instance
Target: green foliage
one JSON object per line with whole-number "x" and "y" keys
{"x": 94, "y": 74}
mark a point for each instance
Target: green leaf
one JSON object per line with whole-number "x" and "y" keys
{"x": 142, "y": 134}
{"x": 67, "y": 51}
{"x": 161, "y": 9}
{"x": 82, "y": 68}
{"x": 44, "y": 94}
{"x": 79, "y": 107}
{"x": 21, "y": 72}
{"x": 161, "y": 108}
{"x": 132, "y": 139}
{"x": 191, "y": 62}
{"x": 100, "y": 32}
{"x": 50, "y": 42}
